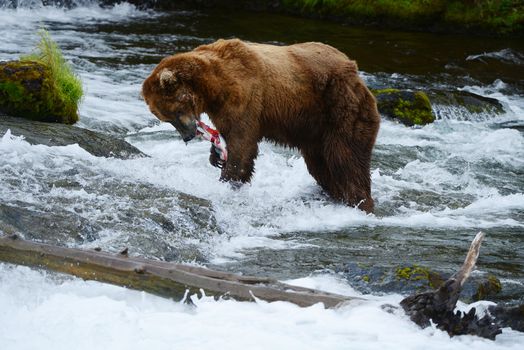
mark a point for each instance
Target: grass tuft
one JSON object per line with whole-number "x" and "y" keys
{"x": 68, "y": 85}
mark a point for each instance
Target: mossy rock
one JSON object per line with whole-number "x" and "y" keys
{"x": 408, "y": 107}
{"x": 400, "y": 279}
{"x": 413, "y": 273}
{"x": 28, "y": 91}
{"x": 409, "y": 279}
{"x": 487, "y": 288}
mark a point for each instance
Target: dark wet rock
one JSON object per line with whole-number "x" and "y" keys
{"x": 153, "y": 222}
{"x": 405, "y": 279}
{"x": 509, "y": 316}
{"x": 256, "y": 5}
{"x": 114, "y": 214}
{"x": 53, "y": 134}
{"x": 511, "y": 124}
{"x": 487, "y": 288}
{"x": 463, "y": 104}
{"x": 408, "y": 107}
{"x": 417, "y": 279}
{"x": 47, "y": 225}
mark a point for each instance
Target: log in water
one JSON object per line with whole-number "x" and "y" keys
{"x": 157, "y": 277}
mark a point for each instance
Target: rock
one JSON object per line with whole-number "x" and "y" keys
{"x": 53, "y": 134}
{"x": 509, "y": 316}
{"x": 420, "y": 108}
{"x": 28, "y": 90}
{"x": 418, "y": 279}
{"x": 510, "y": 124}
{"x": 463, "y": 104}
{"x": 408, "y": 107}
{"x": 113, "y": 214}
{"x": 41, "y": 225}
{"x": 487, "y": 288}
{"x": 402, "y": 279}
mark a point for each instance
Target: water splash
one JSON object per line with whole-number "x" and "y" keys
{"x": 505, "y": 55}
{"x": 34, "y": 4}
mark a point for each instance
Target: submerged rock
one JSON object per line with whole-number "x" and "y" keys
{"x": 112, "y": 214}
{"x": 472, "y": 102}
{"x": 420, "y": 108}
{"x": 56, "y": 225}
{"x": 408, "y": 107}
{"x": 28, "y": 90}
{"x": 488, "y": 287}
{"x": 52, "y": 134}
{"x": 401, "y": 279}
{"x": 463, "y": 105}
{"x": 417, "y": 279}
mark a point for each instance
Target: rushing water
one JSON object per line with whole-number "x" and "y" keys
{"x": 434, "y": 188}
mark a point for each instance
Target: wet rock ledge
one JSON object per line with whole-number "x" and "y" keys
{"x": 54, "y": 134}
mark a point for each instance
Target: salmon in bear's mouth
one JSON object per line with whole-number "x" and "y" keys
{"x": 213, "y": 136}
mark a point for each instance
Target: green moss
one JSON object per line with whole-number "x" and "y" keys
{"x": 384, "y": 91}
{"x": 13, "y": 91}
{"x": 410, "y": 108}
{"x": 41, "y": 86}
{"x": 418, "y": 273}
{"x": 488, "y": 288}
{"x": 417, "y": 112}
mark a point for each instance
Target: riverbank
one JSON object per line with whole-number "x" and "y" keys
{"x": 478, "y": 17}
{"x": 484, "y": 17}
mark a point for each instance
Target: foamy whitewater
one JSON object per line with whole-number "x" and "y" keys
{"x": 438, "y": 183}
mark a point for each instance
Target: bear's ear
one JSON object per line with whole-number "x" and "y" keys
{"x": 167, "y": 79}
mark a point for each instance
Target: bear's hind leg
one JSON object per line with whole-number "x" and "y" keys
{"x": 352, "y": 126}
{"x": 336, "y": 176}
{"x": 348, "y": 164}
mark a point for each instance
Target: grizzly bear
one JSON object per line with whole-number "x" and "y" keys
{"x": 307, "y": 96}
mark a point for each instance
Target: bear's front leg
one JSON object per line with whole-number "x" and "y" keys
{"x": 241, "y": 160}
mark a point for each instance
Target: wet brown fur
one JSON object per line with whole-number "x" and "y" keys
{"x": 307, "y": 96}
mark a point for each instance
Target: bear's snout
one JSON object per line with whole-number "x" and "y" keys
{"x": 186, "y": 130}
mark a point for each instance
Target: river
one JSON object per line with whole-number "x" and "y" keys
{"x": 434, "y": 187}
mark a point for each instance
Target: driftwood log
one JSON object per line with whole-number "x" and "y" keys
{"x": 177, "y": 281}
{"x": 158, "y": 277}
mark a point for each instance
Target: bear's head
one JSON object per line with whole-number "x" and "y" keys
{"x": 168, "y": 93}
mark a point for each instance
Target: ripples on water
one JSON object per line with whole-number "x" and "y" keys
{"x": 434, "y": 186}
